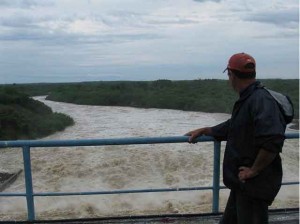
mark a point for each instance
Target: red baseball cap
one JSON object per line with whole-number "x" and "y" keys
{"x": 241, "y": 62}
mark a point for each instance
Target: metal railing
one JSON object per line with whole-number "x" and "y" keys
{"x": 30, "y": 194}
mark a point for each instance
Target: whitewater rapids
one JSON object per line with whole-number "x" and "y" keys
{"x": 106, "y": 168}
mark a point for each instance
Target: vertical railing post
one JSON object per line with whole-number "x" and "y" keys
{"x": 28, "y": 183}
{"x": 216, "y": 177}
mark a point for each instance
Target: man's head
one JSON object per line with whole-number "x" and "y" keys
{"x": 243, "y": 65}
{"x": 241, "y": 70}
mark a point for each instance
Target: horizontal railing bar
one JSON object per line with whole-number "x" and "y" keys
{"x": 113, "y": 141}
{"x": 12, "y": 194}
{"x": 291, "y": 135}
{"x": 123, "y": 191}
{"x": 283, "y": 183}
{"x": 290, "y": 183}
{"x": 95, "y": 142}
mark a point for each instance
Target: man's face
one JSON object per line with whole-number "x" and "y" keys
{"x": 232, "y": 79}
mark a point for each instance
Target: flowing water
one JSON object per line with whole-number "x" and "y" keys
{"x": 106, "y": 168}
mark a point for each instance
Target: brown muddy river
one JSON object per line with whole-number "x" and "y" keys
{"x": 126, "y": 167}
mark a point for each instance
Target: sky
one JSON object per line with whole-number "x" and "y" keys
{"x": 94, "y": 40}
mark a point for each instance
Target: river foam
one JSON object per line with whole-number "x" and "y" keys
{"x": 126, "y": 167}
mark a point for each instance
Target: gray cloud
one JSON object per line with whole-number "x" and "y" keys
{"x": 19, "y": 22}
{"x": 207, "y": 0}
{"x": 6, "y": 3}
{"x": 27, "y": 27}
{"x": 176, "y": 20}
{"x": 25, "y": 3}
{"x": 73, "y": 40}
{"x": 282, "y": 35}
{"x": 43, "y": 38}
{"x": 139, "y": 20}
{"x": 284, "y": 17}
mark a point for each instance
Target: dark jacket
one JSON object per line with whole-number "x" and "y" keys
{"x": 256, "y": 123}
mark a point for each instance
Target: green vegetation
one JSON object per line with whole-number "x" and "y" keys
{"x": 193, "y": 95}
{"x": 24, "y": 118}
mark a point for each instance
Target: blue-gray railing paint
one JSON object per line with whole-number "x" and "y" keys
{"x": 26, "y": 144}
{"x": 28, "y": 182}
{"x": 94, "y": 142}
{"x": 216, "y": 176}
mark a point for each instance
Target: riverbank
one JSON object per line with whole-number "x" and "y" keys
{"x": 22, "y": 117}
{"x": 210, "y": 95}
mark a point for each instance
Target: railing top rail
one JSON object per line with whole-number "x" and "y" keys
{"x": 95, "y": 142}
{"x": 112, "y": 141}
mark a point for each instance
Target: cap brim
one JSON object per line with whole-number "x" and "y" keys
{"x": 225, "y": 69}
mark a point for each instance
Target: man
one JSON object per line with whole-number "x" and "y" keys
{"x": 255, "y": 134}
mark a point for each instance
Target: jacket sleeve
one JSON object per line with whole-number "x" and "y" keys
{"x": 269, "y": 124}
{"x": 220, "y": 131}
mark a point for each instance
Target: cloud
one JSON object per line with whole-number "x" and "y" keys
{"x": 278, "y": 35}
{"x": 147, "y": 39}
{"x": 19, "y": 22}
{"x": 64, "y": 39}
{"x": 25, "y": 3}
{"x": 207, "y": 0}
{"x": 6, "y": 3}
{"x": 282, "y": 17}
{"x": 101, "y": 28}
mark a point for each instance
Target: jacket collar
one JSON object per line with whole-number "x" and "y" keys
{"x": 245, "y": 93}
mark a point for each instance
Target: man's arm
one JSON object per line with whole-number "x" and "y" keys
{"x": 263, "y": 159}
{"x": 198, "y": 132}
{"x": 219, "y": 132}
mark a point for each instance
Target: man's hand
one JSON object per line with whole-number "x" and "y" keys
{"x": 263, "y": 159}
{"x": 246, "y": 173}
{"x": 198, "y": 132}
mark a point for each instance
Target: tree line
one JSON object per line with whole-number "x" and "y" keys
{"x": 209, "y": 95}
{"x": 22, "y": 117}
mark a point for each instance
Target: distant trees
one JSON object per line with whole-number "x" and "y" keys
{"x": 24, "y": 118}
{"x": 21, "y": 117}
{"x": 210, "y": 95}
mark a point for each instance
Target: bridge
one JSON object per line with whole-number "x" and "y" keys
{"x": 290, "y": 215}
